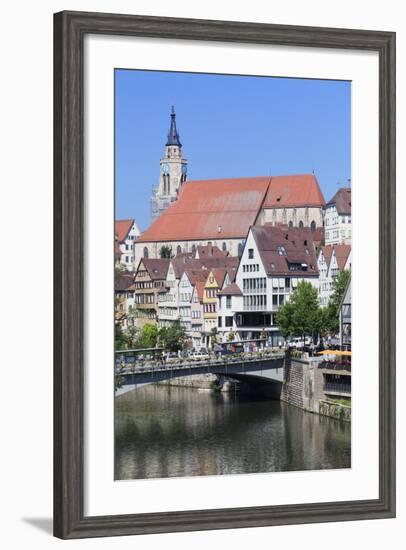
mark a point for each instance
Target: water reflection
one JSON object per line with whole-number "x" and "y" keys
{"x": 165, "y": 431}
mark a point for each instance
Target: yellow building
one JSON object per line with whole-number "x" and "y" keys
{"x": 213, "y": 284}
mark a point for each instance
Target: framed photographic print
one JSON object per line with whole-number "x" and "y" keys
{"x": 224, "y": 275}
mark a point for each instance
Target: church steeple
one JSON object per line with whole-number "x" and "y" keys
{"x": 173, "y": 136}
{"x": 173, "y": 172}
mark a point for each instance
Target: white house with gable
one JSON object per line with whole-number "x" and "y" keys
{"x": 273, "y": 262}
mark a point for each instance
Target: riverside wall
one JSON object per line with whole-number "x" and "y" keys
{"x": 303, "y": 387}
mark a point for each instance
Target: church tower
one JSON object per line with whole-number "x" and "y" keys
{"x": 173, "y": 170}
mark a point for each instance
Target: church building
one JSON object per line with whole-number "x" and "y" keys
{"x": 219, "y": 212}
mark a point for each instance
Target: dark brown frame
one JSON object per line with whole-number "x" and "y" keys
{"x": 69, "y": 31}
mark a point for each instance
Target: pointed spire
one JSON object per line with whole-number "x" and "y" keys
{"x": 173, "y": 136}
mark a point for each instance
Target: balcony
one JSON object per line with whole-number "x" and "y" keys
{"x": 337, "y": 388}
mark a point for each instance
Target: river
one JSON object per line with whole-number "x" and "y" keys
{"x": 163, "y": 431}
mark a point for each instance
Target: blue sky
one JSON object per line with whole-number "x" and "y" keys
{"x": 230, "y": 126}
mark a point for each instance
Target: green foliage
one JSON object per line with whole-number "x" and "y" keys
{"x": 120, "y": 338}
{"x": 118, "y": 380}
{"x": 285, "y": 319}
{"x": 214, "y": 335}
{"x": 230, "y": 336}
{"x": 300, "y": 316}
{"x": 148, "y": 336}
{"x": 172, "y": 338}
{"x": 132, "y": 334}
{"x": 165, "y": 251}
{"x": 118, "y": 271}
{"x": 332, "y": 310}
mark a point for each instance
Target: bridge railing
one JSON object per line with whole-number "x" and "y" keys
{"x": 190, "y": 365}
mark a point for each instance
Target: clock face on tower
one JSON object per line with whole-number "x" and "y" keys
{"x": 165, "y": 168}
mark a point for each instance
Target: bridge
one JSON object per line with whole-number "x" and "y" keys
{"x": 256, "y": 368}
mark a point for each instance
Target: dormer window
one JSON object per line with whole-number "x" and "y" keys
{"x": 281, "y": 251}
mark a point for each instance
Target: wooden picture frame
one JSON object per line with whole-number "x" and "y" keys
{"x": 70, "y": 29}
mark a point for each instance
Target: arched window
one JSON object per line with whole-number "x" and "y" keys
{"x": 313, "y": 226}
{"x": 240, "y": 249}
{"x": 290, "y": 223}
{"x": 224, "y": 247}
{"x": 194, "y": 250}
{"x": 300, "y": 223}
{"x": 179, "y": 249}
{"x": 145, "y": 252}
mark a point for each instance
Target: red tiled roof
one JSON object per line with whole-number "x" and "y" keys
{"x": 157, "y": 267}
{"x": 231, "y": 290}
{"x": 195, "y": 275}
{"x": 122, "y": 228}
{"x": 318, "y": 235}
{"x": 210, "y": 251}
{"x": 291, "y": 191}
{"x": 124, "y": 282}
{"x": 298, "y": 246}
{"x": 200, "y": 289}
{"x": 327, "y": 253}
{"x": 210, "y": 209}
{"x": 219, "y": 275}
{"x": 182, "y": 263}
{"x": 342, "y": 201}
{"x": 342, "y": 251}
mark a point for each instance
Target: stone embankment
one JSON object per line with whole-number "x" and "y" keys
{"x": 303, "y": 387}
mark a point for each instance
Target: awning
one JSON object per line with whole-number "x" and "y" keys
{"x": 334, "y": 352}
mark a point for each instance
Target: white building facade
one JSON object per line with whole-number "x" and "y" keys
{"x": 331, "y": 261}
{"x": 337, "y": 218}
{"x": 168, "y": 299}
{"x": 127, "y": 232}
{"x": 273, "y": 263}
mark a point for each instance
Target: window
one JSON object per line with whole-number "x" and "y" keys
{"x": 229, "y": 321}
{"x": 228, "y": 302}
{"x": 250, "y": 253}
{"x": 240, "y": 249}
{"x": 224, "y": 247}
{"x": 145, "y": 252}
{"x": 281, "y": 251}
{"x": 178, "y": 249}
{"x": 274, "y": 299}
{"x": 219, "y": 321}
{"x": 301, "y": 224}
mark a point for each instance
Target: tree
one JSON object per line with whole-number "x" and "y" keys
{"x": 231, "y": 336}
{"x": 173, "y": 338}
{"x": 214, "y": 335}
{"x": 120, "y": 339}
{"x": 165, "y": 251}
{"x": 300, "y": 316}
{"x": 119, "y": 269}
{"x": 285, "y": 319}
{"x": 132, "y": 334}
{"x": 148, "y": 336}
{"x": 332, "y": 310}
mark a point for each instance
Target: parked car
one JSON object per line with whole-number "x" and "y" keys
{"x": 299, "y": 344}
{"x": 201, "y": 355}
{"x": 172, "y": 357}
